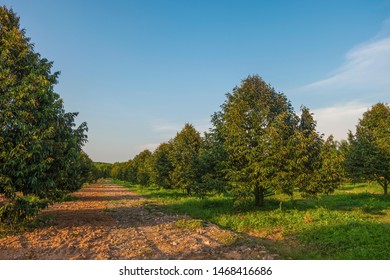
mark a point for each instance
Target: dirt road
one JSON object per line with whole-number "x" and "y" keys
{"x": 109, "y": 222}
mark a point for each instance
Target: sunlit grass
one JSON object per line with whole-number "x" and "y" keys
{"x": 352, "y": 223}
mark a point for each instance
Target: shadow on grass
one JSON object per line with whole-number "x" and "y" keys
{"x": 157, "y": 194}
{"x": 357, "y": 186}
{"x": 349, "y": 241}
{"x": 336, "y": 229}
{"x": 373, "y": 204}
{"x": 370, "y": 203}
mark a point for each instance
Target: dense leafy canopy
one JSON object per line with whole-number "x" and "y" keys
{"x": 255, "y": 122}
{"x": 368, "y": 150}
{"x": 269, "y": 148}
{"x": 185, "y": 150}
{"x": 162, "y": 166}
{"x": 40, "y": 147}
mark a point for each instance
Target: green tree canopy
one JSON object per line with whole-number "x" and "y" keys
{"x": 142, "y": 166}
{"x": 185, "y": 150}
{"x": 267, "y": 147}
{"x": 162, "y": 165}
{"x": 210, "y": 175}
{"x": 255, "y": 124}
{"x": 40, "y": 146}
{"x": 368, "y": 152}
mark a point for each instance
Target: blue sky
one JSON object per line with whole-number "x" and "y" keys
{"x": 136, "y": 71}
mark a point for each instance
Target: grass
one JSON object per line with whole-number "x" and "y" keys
{"x": 38, "y": 222}
{"x": 189, "y": 224}
{"x": 352, "y": 223}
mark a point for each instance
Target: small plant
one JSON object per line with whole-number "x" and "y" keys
{"x": 227, "y": 237}
{"x": 189, "y": 224}
{"x": 23, "y": 209}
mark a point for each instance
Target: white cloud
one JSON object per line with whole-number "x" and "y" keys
{"x": 363, "y": 76}
{"x": 338, "y": 119}
{"x": 366, "y": 67}
{"x": 361, "y": 81}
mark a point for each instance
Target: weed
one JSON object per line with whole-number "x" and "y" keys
{"x": 189, "y": 224}
{"x": 227, "y": 238}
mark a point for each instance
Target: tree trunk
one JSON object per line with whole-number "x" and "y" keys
{"x": 259, "y": 196}
{"x": 384, "y": 184}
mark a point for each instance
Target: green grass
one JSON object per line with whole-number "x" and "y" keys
{"x": 352, "y": 223}
{"x": 189, "y": 224}
{"x": 38, "y": 222}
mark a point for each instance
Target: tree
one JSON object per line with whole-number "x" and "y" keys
{"x": 141, "y": 164}
{"x": 307, "y": 150}
{"x": 185, "y": 149}
{"x": 87, "y": 170}
{"x": 331, "y": 172}
{"x": 368, "y": 150}
{"x": 209, "y": 166}
{"x": 102, "y": 170}
{"x": 268, "y": 148}
{"x": 40, "y": 147}
{"x": 256, "y": 125}
{"x": 162, "y": 165}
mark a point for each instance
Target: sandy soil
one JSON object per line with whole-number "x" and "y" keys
{"x": 109, "y": 222}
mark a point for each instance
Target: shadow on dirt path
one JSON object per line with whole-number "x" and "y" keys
{"x": 109, "y": 222}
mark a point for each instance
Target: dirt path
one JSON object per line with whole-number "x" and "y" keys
{"x": 110, "y": 222}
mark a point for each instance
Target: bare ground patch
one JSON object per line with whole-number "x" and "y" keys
{"x": 109, "y": 222}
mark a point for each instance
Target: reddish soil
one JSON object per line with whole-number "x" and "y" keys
{"x": 111, "y": 223}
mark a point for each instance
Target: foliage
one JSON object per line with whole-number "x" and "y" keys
{"x": 85, "y": 170}
{"x": 330, "y": 172}
{"x": 185, "y": 149}
{"x": 317, "y": 163}
{"x": 162, "y": 165}
{"x": 23, "y": 208}
{"x": 208, "y": 169}
{"x": 124, "y": 171}
{"x": 368, "y": 150}
{"x": 268, "y": 147}
{"x": 187, "y": 162}
{"x": 102, "y": 170}
{"x": 40, "y": 145}
{"x": 250, "y": 122}
{"x": 142, "y": 167}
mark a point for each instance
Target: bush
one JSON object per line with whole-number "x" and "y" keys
{"x": 24, "y": 208}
